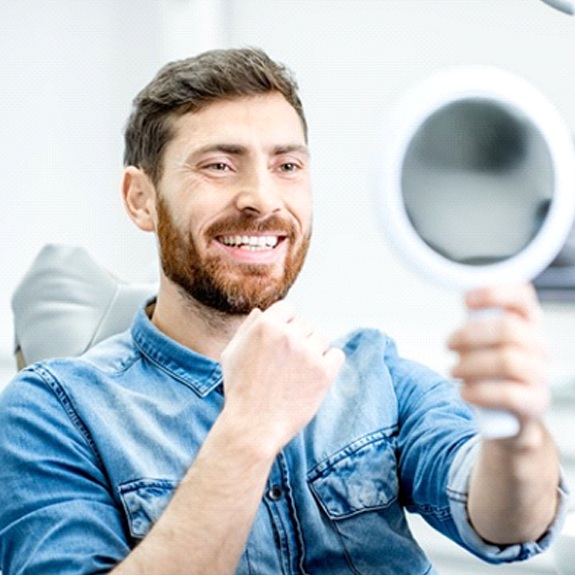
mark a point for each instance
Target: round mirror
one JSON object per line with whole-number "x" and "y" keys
{"x": 478, "y": 179}
{"x": 477, "y": 184}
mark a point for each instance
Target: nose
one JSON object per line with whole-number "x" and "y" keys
{"x": 258, "y": 193}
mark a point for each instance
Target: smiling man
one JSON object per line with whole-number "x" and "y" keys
{"x": 222, "y": 433}
{"x": 232, "y": 208}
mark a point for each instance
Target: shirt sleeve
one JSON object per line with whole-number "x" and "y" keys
{"x": 438, "y": 442}
{"x": 57, "y": 510}
{"x": 458, "y": 490}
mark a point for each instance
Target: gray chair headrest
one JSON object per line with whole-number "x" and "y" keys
{"x": 66, "y": 303}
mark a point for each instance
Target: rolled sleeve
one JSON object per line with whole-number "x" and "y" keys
{"x": 458, "y": 494}
{"x": 57, "y": 514}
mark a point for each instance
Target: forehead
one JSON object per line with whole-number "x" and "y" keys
{"x": 266, "y": 119}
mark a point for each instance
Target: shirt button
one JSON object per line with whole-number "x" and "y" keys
{"x": 275, "y": 492}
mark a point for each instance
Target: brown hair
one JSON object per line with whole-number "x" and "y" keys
{"x": 188, "y": 85}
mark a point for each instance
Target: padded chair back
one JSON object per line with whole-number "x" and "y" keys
{"x": 66, "y": 303}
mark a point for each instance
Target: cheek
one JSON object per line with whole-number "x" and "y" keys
{"x": 190, "y": 218}
{"x": 299, "y": 203}
{"x": 303, "y": 212}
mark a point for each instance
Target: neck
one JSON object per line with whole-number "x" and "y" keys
{"x": 195, "y": 326}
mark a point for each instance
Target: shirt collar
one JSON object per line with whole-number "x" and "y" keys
{"x": 200, "y": 373}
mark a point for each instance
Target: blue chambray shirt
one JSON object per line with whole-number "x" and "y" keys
{"x": 92, "y": 449}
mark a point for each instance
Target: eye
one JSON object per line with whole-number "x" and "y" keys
{"x": 288, "y": 167}
{"x": 219, "y": 167}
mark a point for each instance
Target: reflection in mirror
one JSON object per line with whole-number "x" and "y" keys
{"x": 477, "y": 180}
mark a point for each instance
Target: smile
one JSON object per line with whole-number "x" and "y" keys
{"x": 250, "y": 243}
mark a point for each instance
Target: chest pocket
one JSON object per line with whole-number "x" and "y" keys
{"x": 361, "y": 477}
{"x": 144, "y": 500}
{"x": 357, "y": 490}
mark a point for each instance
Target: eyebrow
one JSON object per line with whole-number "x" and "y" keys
{"x": 299, "y": 148}
{"x": 240, "y": 150}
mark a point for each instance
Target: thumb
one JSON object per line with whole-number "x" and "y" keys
{"x": 334, "y": 359}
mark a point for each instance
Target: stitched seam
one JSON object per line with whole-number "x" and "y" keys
{"x": 198, "y": 387}
{"x": 325, "y": 465}
{"x": 69, "y": 408}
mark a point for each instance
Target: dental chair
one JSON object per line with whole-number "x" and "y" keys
{"x": 67, "y": 302}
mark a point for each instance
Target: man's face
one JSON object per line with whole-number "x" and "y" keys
{"x": 234, "y": 203}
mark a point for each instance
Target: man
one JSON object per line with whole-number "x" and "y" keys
{"x": 222, "y": 433}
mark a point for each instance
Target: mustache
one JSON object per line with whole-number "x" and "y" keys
{"x": 244, "y": 223}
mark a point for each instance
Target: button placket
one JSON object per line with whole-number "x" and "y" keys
{"x": 279, "y": 502}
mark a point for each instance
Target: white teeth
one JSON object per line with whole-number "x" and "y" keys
{"x": 251, "y": 242}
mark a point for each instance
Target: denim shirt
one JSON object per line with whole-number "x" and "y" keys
{"x": 92, "y": 449}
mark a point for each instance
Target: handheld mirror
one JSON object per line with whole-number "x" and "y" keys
{"x": 477, "y": 185}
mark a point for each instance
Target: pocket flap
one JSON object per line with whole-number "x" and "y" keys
{"x": 144, "y": 500}
{"x": 360, "y": 477}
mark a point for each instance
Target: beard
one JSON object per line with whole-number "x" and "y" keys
{"x": 220, "y": 285}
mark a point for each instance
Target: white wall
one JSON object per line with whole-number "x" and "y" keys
{"x": 70, "y": 68}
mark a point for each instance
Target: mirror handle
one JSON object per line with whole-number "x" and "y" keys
{"x": 494, "y": 423}
{"x": 497, "y": 423}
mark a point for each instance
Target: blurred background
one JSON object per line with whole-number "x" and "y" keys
{"x": 70, "y": 68}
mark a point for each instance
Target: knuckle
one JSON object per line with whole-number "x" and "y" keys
{"x": 225, "y": 354}
{"x": 268, "y": 327}
{"x": 529, "y": 401}
{"x": 511, "y": 395}
{"x": 510, "y": 361}
{"x": 510, "y": 327}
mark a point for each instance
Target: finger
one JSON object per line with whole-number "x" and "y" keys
{"x": 318, "y": 343}
{"x": 518, "y": 298}
{"x": 508, "y": 329}
{"x": 334, "y": 358}
{"x": 282, "y": 311}
{"x": 301, "y": 326}
{"x": 510, "y": 363}
{"x": 250, "y": 320}
{"x": 508, "y": 395}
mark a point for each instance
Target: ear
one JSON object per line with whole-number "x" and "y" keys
{"x": 139, "y": 196}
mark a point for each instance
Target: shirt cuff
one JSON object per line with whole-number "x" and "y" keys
{"x": 458, "y": 494}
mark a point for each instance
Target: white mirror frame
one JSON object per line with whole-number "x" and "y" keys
{"x": 457, "y": 84}
{"x": 567, "y": 6}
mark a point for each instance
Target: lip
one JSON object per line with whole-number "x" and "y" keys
{"x": 254, "y": 252}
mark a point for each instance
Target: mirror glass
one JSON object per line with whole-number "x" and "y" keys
{"x": 477, "y": 181}
{"x": 478, "y": 178}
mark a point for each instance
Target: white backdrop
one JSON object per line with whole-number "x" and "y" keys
{"x": 69, "y": 69}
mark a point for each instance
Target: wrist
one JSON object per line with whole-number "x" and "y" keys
{"x": 243, "y": 436}
{"x": 532, "y": 437}
{"x": 518, "y": 454}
